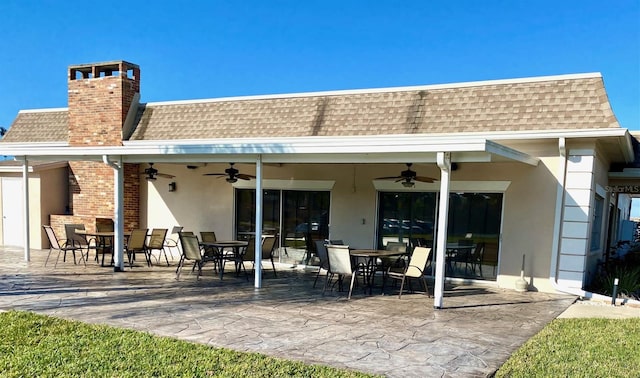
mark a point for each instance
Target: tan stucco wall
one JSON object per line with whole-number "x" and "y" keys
{"x": 206, "y": 203}
{"x": 53, "y": 197}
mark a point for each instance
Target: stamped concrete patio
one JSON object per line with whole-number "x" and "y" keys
{"x": 476, "y": 332}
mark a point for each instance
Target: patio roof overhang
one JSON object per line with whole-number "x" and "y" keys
{"x": 352, "y": 149}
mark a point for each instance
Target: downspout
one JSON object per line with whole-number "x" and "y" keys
{"x": 557, "y": 231}
{"x": 118, "y": 201}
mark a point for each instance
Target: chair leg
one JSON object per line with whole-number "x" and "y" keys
{"x": 353, "y": 278}
{"x": 180, "y": 263}
{"x": 165, "y": 256}
{"x": 317, "y": 275}
{"x": 273, "y": 265}
{"x": 426, "y": 287}
{"x": 49, "y": 255}
{"x": 401, "y": 288}
{"x": 82, "y": 257}
{"x": 326, "y": 282}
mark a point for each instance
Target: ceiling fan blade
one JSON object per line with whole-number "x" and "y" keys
{"x": 243, "y": 176}
{"x": 424, "y": 179}
{"x": 389, "y": 178}
{"x": 165, "y": 175}
{"x": 214, "y": 174}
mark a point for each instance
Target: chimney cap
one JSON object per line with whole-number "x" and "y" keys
{"x": 96, "y": 70}
{"x": 113, "y": 64}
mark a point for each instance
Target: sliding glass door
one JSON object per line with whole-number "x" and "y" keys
{"x": 299, "y": 217}
{"x": 473, "y": 228}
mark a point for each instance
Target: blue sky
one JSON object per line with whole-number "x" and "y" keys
{"x": 204, "y": 49}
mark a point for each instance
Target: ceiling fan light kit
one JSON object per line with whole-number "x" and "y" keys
{"x": 152, "y": 174}
{"x": 232, "y": 174}
{"x": 408, "y": 177}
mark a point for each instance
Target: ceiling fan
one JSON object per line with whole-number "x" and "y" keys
{"x": 153, "y": 174}
{"x": 232, "y": 174}
{"x": 408, "y": 177}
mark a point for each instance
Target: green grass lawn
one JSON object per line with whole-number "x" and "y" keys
{"x": 34, "y": 345}
{"x": 579, "y": 348}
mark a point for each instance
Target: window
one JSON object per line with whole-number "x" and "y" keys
{"x": 596, "y": 226}
{"x": 474, "y": 218}
{"x": 299, "y": 217}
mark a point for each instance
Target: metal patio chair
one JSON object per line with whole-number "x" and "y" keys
{"x": 62, "y": 246}
{"x": 191, "y": 252}
{"x": 156, "y": 242}
{"x": 415, "y": 269}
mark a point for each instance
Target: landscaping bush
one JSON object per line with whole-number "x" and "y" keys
{"x": 626, "y": 269}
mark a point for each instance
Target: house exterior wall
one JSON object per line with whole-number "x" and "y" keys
{"x": 53, "y": 198}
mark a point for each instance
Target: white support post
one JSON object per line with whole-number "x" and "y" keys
{"x": 444, "y": 163}
{"x": 118, "y": 204}
{"x": 258, "y": 239}
{"x": 25, "y": 188}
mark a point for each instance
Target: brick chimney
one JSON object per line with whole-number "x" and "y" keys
{"x": 100, "y": 95}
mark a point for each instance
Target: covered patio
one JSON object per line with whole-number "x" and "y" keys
{"x": 479, "y": 327}
{"x": 439, "y": 152}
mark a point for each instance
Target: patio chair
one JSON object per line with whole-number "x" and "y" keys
{"x": 156, "y": 242}
{"x": 340, "y": 265}
{"x": 475, "y": 258}
{"x": 78, "y": 240}
{"x": 191, "y": 252}
{"x": 415, "y": 269}
{"x": 137, "y": 243}
{"x": 172, "y": 241}
{"x": 321, "y": 252}
{"x": 62, "y": 246}
{"x": 210, "y": 253}
{"x": 104, "y": 245}
{"x": 267, "y": 247}
{"x": 397, "y": 262}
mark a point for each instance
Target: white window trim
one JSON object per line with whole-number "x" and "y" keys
{"x": 318, "y": 185}
{"x": 456, "y": 186}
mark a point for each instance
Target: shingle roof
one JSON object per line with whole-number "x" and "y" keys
{"x": 554, "y": 103}
{"x": 39, "y": 126}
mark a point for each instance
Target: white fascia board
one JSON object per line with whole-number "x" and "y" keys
{"x": 302, "y": 149}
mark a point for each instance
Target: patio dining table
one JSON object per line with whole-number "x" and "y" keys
{"x": 371, "y": 255}
{"x": 221, "y": 245}
{"x": 101, "y": 239}
{"x": 457, "y": 252}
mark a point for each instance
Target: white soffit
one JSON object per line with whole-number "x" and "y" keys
{"x": 352, "y": 149}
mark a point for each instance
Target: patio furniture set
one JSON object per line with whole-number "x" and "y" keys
{"x": 81, "y": 241}
{"x": 395, "y": 262}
